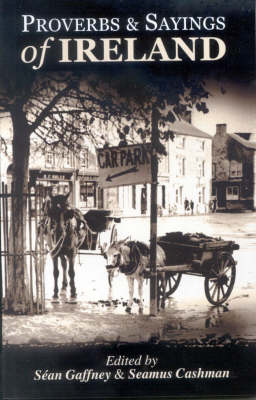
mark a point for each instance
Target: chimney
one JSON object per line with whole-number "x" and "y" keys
{"x": 221, "y": 129}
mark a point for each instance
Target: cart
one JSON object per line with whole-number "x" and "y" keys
{"x": 101, "y": 230}
{"x": 199, "y": 255}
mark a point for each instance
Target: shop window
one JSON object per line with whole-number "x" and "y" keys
{"x": 88, "y": 194}
{"x": 232, "y": 193}
{"x": 63, "y": 188}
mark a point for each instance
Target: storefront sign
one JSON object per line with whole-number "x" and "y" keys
{"x": 126, "y": 165}
{"x": 51, "y": 175}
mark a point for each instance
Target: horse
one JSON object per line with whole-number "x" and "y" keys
{"x": 132, "y": 258}
{"x": 65, "y": 230}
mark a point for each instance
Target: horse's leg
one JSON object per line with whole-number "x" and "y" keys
{"x": 71, "y": 273}
{"x": 140, "y": 291}
{"x": 64, "y": 273}
{"x": 110, "y": 280}
{"x": 55, "y": 275}
{"x": 131, "y": 291}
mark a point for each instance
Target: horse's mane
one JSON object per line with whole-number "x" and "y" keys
{"x": 143, "y": 247}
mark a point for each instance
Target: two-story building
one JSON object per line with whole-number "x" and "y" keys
{"x": 234, "y": 168}
{"x": 185, "y": 173}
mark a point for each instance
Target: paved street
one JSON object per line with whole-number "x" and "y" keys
{"x": 188, "y": 313}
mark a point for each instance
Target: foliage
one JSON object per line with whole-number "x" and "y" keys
{"x": 63, "y": 107}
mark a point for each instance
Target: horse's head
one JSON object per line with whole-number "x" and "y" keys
{"x": 60, "y": 202}
{"x": 122, "y": 254}
{"x": 113, "y": 256}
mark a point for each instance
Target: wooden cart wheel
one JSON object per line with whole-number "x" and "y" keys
{"x": 220, "y": 282}
{"x": 172, "y": 282}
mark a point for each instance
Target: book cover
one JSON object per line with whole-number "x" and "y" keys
{"x": 128, "y": 198}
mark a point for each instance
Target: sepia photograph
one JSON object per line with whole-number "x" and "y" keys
{"x": 127, "y": 200}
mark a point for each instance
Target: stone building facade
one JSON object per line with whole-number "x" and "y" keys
{"x": 185, "y": 173}
{"x": 234, "y": 166}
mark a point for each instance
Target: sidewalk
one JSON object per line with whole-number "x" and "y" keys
{"x": 95, "y": 320}
{"x": 82, "y": 324}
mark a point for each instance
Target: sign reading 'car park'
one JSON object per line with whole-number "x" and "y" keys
{"x": 126, "y": 165}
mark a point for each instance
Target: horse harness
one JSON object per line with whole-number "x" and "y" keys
{"x": 52, "y": 225}
{"x": 137, "y": 249}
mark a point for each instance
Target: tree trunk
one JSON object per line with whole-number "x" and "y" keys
{"x": 17, "y": 291}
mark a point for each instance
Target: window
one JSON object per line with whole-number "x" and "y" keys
{"x": 88, "y": 194}
{"x": 180, "y": 142}
{"x": 180, "y": 166}
{"x": 203, "y": 194}
{"x": 84, "y": 158}
{"x": 199, "y": 197}
{"x": 68, "y": 159}
{"x": 232, "y": 193}
{"x": 49, "y": 159}
{"x": 235, "y": 169}
{"x": 177, "y": 196}
{"x": 201, "y": 168}
{"x": 199, "y": 145}
{"x": 181, "y": 194}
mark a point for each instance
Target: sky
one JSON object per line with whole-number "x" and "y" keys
{"x": 236, "y": 108}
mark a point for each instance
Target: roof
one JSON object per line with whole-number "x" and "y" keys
{"x": 242, "y": 141}
{"x": 181, "y": 127}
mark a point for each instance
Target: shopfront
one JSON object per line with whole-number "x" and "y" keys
{"x": 44, "y": 180}
{"x": 87, "y": 191}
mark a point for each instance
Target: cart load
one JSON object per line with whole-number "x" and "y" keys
{"x": 200, "y": 255}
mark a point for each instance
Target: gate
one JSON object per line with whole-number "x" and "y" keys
{"x": 33, "y": 254}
